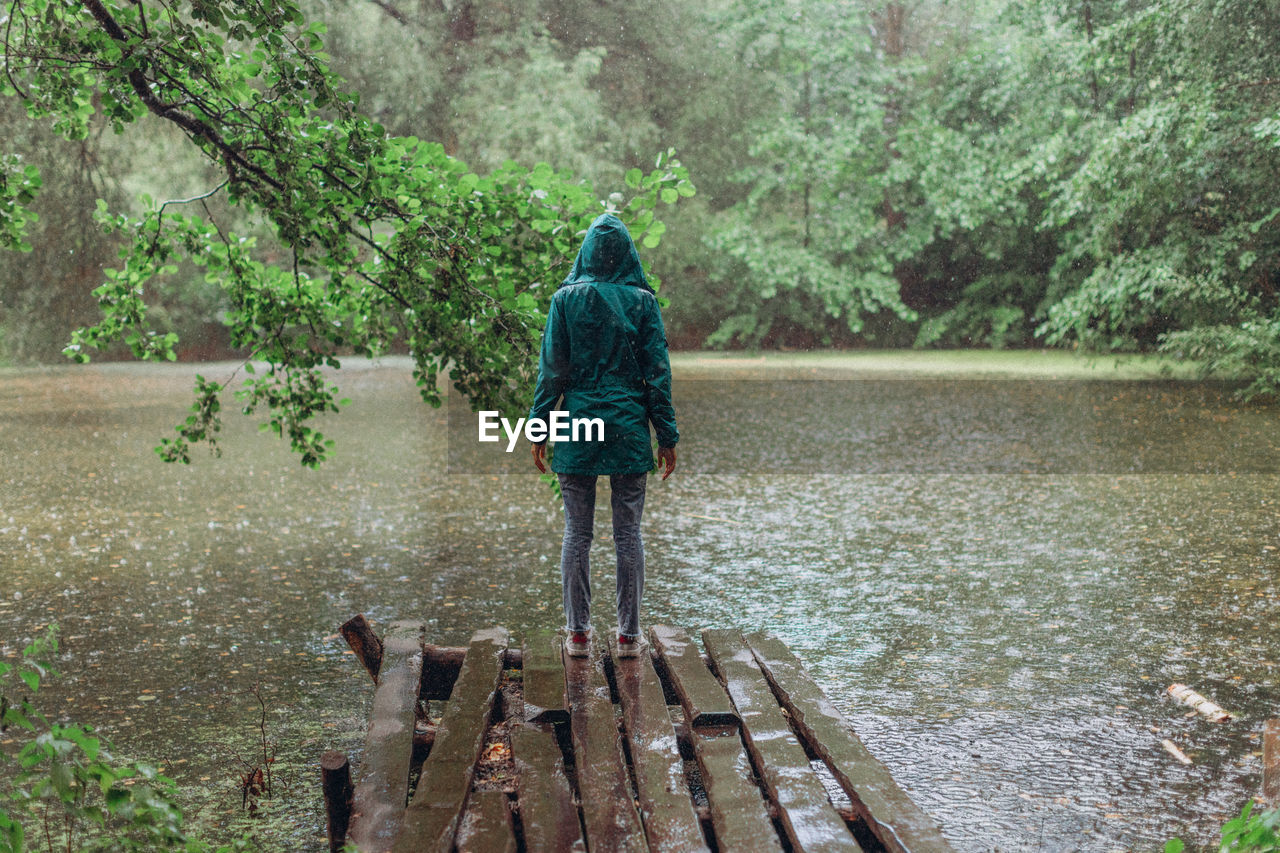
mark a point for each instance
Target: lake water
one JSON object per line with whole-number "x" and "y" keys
{"x": 995, "y": 579}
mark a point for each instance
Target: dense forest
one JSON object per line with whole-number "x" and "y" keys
{"x": 1071, "y": 173}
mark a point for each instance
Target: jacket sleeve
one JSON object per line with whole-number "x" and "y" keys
{"x": 657, "y": 368}
{"x": 553, "y": 363}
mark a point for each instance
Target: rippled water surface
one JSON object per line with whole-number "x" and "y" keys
{"x": 995, "y": 580}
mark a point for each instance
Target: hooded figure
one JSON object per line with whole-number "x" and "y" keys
{"x": 604, "y": 353}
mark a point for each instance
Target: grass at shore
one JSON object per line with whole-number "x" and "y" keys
{"x": 928, "y": 364}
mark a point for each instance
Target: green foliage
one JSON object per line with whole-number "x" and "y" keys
{"x": 809, "y": 239}
{"x": 378, "y": 241}
{"x": 64, "y": 789}
{"x": 1249, "y": 833}
{"x": 18, "y": 185}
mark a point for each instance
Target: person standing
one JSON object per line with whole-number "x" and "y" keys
{"x": 604, "y": 354}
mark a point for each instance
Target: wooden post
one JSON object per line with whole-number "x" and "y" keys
{"x": 1271, "y": 761}
{"x": 335, "y": 778}
{"x": 360, "y": 637}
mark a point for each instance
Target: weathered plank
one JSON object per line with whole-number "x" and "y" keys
{"x": 1271, "y": 761}
{"x": 892, "y": 817}
{"x": 704, "y": 700}
{"x": 486, "y": 825}
{"x": 608, "y": 812}
{"x": 544, "y": 700}
{"x": 431, "y": 819}
{"x": 377, "y": 805}
{"x": 738, "y": 812}
{"x": 364, "y": 643}
{"x": 670, "y": 823}
{"x": 805, "y": 812}
{"x": 547, "y": 812}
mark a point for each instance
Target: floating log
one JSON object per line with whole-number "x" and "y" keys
{"x": 335, "y": 779}
{"x": 1271, "y": 761}
{"x": 378, "y": 801}
{"x": 1171, "y": 748}
{"x": 1189, "y": 697}
{"x": 805, "y": 812}
{"x": 666, "y": 808}
{"x": 431, "y": 818}
{"x": 889, "y": 813}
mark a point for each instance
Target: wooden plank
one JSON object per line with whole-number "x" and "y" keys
{"x": 704, "y": 700}
{"x": 364, "y": 643}
{"x": 892, "y": 817}
{"x": 608, "y": 812}
{"x": 486, "y": 826}
{"x": 547, "y": 812}
{"x": 377, "y": 806}
{"x": 543, "y": 674}
{"x": 431, "y": 819}
{"x": 804, "y": 810}
{"x": 738, "y": 812}
{"x": 666, "y": 808}
{"x": 1271, "y": 761}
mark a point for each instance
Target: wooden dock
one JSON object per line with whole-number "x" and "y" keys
{"x": 511, "y": 747}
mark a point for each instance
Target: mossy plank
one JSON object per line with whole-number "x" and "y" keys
{"x": 892, "y": 817}
{"x": 431, "y": 819}
{"x": 804, "y": 810}
{"x": 378, "y": 802}
{"x": 666, "y": 809}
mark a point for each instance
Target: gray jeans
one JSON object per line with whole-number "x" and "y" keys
{"x": 579, "y": 493}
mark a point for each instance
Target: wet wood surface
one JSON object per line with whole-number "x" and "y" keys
{"x": 544, "y": 698}
{"x": 666, "y": 807}
{"x": 431, "y": 818}
{"x": 728, "y": 766}
{"x": 486, "y": 825}
{"x": 890, "y": 814}
{"x": 335, "y": 779}
{"x": 1271, "y": 761}
{"x": 804, "y": 811}
{"x": 608, "y": 811}
{"x": 377, "y": 805}
{"x": 548, "y": 814}
{"x": 738, "y": 810}
{"x": 704, "y": 700}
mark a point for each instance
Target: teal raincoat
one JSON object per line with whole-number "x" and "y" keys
{"x": 604, "y": 352}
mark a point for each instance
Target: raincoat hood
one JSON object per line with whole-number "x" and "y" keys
{"x": 608, "y": 256}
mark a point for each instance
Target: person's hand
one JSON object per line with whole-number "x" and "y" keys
{"x": 540, "y": 457}
{"x": 666, "y": 461}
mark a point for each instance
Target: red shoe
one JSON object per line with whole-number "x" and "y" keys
{"x": 629, "y": 648}
{"x": 578, "y": 644}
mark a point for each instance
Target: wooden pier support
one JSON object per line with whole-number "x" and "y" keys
{"x": 335, "y": 778}
{"x": 1271, "y": 761}
{"x": 527, "y": 749}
